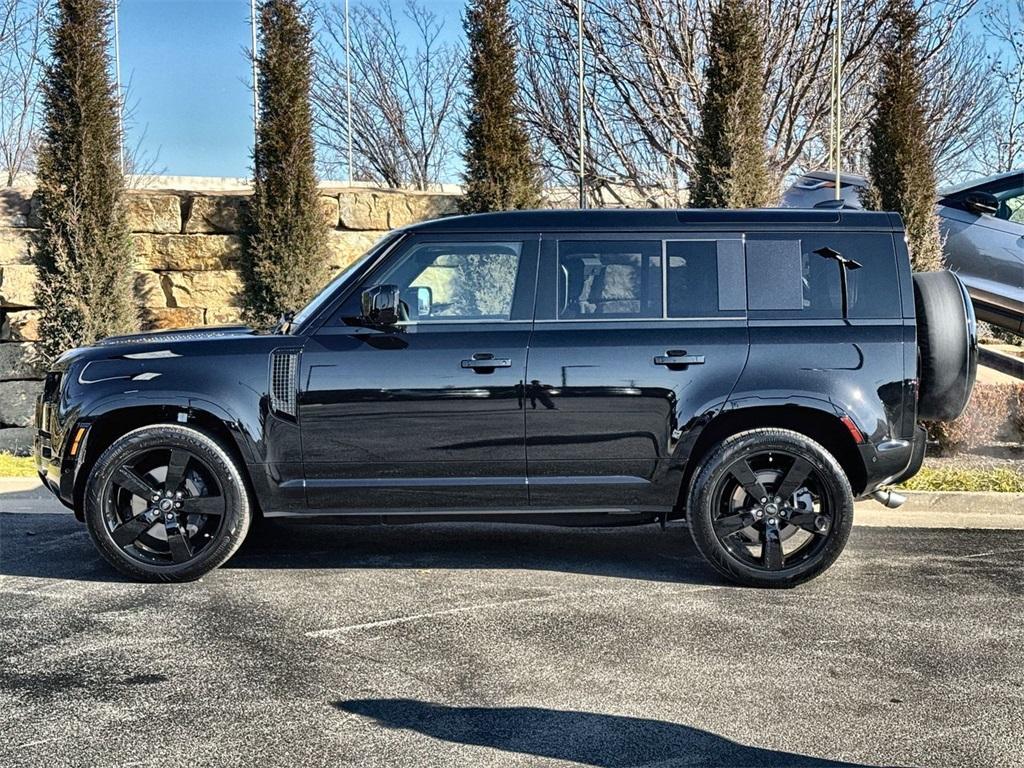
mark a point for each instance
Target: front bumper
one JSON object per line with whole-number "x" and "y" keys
{"x": 57, "y": 469}
{"x": 57, "y": 474}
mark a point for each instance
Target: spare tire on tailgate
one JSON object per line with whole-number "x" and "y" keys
{"x": 947, "y": 341}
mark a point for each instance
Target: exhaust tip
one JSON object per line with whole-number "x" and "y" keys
{"x": 889, "y": 499}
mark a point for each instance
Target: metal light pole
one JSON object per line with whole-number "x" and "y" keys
{"x": 117, "y": 83}
{"x": 348, "y": 91}
{"x": 838, "y": 97}
{"x": 579, "y": 95}
{"x": 255, "y": 74}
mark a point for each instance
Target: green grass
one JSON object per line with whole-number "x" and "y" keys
{"x": 17, "y": 466}
{"x": 990, "y": 479}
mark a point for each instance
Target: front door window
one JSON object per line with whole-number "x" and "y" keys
{"x": 457, "y": 281}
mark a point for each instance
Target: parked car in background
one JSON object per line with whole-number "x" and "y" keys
{"x": 982, "y": 222}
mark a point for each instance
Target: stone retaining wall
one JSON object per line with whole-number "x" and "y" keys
{"x": 187, "y": 247}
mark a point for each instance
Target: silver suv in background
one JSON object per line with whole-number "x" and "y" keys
{"x": 982, "y": 222}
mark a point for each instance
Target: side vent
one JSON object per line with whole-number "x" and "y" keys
{"x": 284, "y": 365}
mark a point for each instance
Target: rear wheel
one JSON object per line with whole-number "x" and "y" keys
{"x": 770, "y": 508}
{"x": 166, "y": 503}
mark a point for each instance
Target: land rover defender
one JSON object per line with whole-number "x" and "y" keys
{"x": 746, "y": 373}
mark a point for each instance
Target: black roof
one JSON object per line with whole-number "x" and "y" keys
{"x": 661, "y": 219}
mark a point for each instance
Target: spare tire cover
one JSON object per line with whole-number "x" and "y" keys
{"x": 947, "y": 341}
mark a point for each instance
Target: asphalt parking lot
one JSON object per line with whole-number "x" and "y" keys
{"x": 322, "y": 645}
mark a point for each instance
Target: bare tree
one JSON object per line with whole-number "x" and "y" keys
{"x": 1002, "y": 148}
{"x": 22, "y": 40}
{"x": 644, "y": 82}
{"x": 405, "y": 95}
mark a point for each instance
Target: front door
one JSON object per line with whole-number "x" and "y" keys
{"x": 425, "y": 415}
{"x": 638, "y": 340}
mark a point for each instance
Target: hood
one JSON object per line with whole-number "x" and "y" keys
{"x": 153, "y": 345}
{"x": 179, "y": 334}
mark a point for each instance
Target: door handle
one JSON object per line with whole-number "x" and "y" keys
{"x": 674, "y": 358}
{"x": 483, "y": 361}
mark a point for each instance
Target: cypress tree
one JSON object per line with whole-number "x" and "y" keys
{"x": 901, "y": 165}
{"x": 730, "y": 161}
{"x": 501, "y": 171}
{"x": 286, "y": 240}
{"x": 84, "y": 249}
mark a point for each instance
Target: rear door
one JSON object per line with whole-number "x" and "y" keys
{"x": 638, "y": 340}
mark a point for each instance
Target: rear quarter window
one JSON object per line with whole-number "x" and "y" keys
{"x": 786, "y": 278}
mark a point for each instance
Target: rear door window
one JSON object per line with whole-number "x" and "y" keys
{"x": 705, "y": 277}
{"x": 788, "y": 278}
{"x": 610, "y": 279}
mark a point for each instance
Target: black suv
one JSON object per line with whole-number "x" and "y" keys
{"x": 748, "y": 372}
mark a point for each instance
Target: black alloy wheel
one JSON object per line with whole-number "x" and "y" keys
{"x": 163, "y": 505}
{"x": 166, "y": 503}
{"x": 770, "y": 508}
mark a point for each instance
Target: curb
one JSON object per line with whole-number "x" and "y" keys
{"x": 958, "y": 502}
{"x": 946, "y": 509}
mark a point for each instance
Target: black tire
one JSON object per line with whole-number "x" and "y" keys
{"x": 204, "y": 491}
{"x": 816, "y": 517}
{"x": 947, "y": 342}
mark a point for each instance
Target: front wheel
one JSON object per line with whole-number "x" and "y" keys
{"x": 770, "y": 508}
{"x": 166, "y": 503}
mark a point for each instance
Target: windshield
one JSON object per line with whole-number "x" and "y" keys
{"x": 340, "y": 279}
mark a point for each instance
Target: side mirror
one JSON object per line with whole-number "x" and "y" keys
{"x": 981, "y": 202}
{"x": 380, "y": 305}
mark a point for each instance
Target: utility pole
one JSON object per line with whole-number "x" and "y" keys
{"x": 117, "y": 84}
{"x": 348, "y": 91}
{"x": 579, "y": 96}
{"x": 255, "y": 74}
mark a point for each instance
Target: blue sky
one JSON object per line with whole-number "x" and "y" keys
{"x": 190, "y": 79}
{"x": 189, "y": 75}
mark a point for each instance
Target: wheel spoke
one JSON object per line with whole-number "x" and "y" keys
{"x": 176, "y": 469}
{"x": 745, "y": 476}
{"x": 730, "y": 524}
{"x": 126, "y": 478}
{"x": 203, "y": 505}
{"x": 771, "y": 547}
{"x": 128, "y": 532}
{"x": 181, "y": 549}
{"x": 795, "y": 477}
{"x": 809, "y": 521}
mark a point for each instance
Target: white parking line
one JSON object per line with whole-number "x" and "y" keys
{"x": 445, "y": 612}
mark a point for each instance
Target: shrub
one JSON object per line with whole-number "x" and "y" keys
{"x": 901, "y": 165}
{"x": 730, "y": 161}
{"x": 1017, "y": 405}
{"x": 501, "y": 172}
{"x": 993, "y": 414}
{"x": 84, "y": 250}
{"x": 286, "y": 240}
